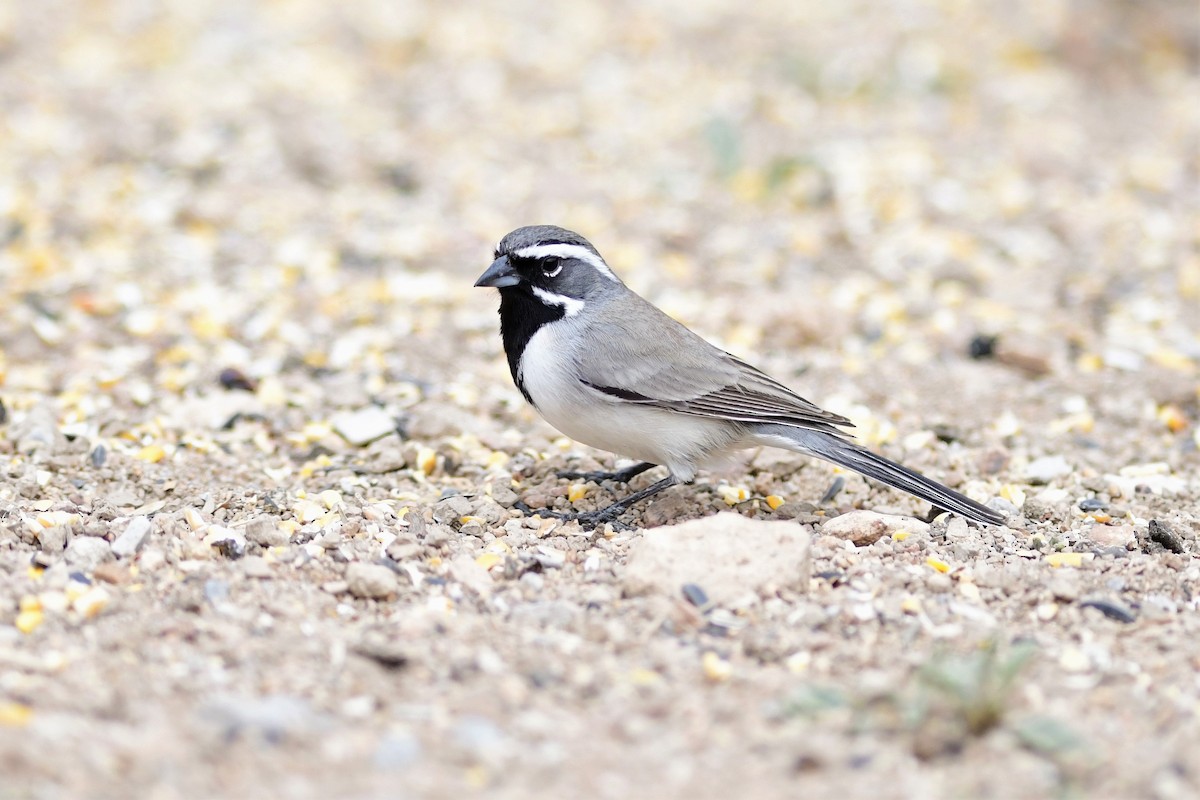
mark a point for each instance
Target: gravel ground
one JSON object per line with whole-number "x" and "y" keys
{"x": 260, "y": 447}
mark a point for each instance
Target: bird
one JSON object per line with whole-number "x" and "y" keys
{"x": 613, "y": 371}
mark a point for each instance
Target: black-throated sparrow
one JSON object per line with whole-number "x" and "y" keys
{"x": 611, "y": 370}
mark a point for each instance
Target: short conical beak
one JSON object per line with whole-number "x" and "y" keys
{"x": 499, "y": 274}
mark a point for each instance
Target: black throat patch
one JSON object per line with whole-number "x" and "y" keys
{"x": 521, "y": 315}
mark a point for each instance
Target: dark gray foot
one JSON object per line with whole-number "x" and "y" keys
{"x": 590, "y": 519}
{"x": 620, "y": 476}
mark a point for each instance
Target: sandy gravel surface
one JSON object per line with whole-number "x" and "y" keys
{"x": 259, "y": 446}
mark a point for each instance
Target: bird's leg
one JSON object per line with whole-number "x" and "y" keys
{"x": 620, "y": 476}
{"x": 590, "y": 519}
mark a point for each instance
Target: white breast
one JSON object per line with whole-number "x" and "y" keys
{"x": 678, "y": 441}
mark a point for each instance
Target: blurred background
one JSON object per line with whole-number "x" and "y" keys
{"x": 189, "y": 186}
{"x": 974, "y": 227}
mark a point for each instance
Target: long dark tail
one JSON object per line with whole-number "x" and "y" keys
{"x": 852, "y": 456}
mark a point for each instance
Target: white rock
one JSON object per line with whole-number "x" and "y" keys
{"x": 87, "y": 552}
{"x": 231, "y": 543}
{"x": 868, "y": 527}
{"x": 364, "y": 425}
{"x": 1046, "y": 469}
{"x": 1111, "y": 535}
{"x": 730, "y": 556}
{"x": 132, "y": 538}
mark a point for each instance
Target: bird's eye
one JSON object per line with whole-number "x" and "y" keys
{"x": 551, "y": 266}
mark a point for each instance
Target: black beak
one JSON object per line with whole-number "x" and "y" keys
{"x": 499, "y": 274}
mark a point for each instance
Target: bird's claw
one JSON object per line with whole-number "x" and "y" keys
{"x": 588, "y": 519}
{"x": 598, "y": 476}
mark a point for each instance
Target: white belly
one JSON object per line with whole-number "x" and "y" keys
{"x": 678, "y": 441}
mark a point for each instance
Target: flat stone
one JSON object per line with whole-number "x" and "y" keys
{"x": 868, "y": 527}
{"x": 364, "y": 426}
{"x": 132, "y": 538}
{"x": 729, "y": 556}
{"x": 371, "y": 581}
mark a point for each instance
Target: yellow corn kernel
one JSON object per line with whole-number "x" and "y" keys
{"x": 329, "y": 498}
{"x": 1173, "y": 417}
{"x": 27, "y": 621}
{"x": 426, "y": 460}
{"x": 1066, "y": 559}
{"x": 900, "y": 536}
{"x": 774, "y": 501}
{"x": 940, "y": 566}
{"x": 1013, "y": 494}
{"x": 732, "y": 495}
{"x": 489, "y": 560}
{"x": 576, "y": 492}
{"x": 151, "y": 453}
{"x": 716, "y": 669}
{"x": 644, "y": 677}
{"x": 15, "y": 715}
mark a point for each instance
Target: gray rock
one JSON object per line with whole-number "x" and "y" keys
{"x": 731, "y": 556}
{"x": 371, "y": 581}
{"x": 488, "y": 510}
{"x": 265, "y": 532}
{"x": 449, "y": 510}
{"x": 54, "y": 538}
{"x": 132, "y": 538}
{"x": 364, "y": 426}
{"x": 868, "y": 527}
{"x": 550, "y": 557}
{"x": 257, "y": 567}
{"x": 38, "y": 431}
{"x": 86, "y": 552}
{"x": 465, "y": 571}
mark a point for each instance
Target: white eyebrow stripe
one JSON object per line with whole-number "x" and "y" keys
{"x": 568, "y": 251}
{"x": 570, "y": 305}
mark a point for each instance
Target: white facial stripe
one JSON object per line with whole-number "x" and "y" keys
{"x": 568, "y": 251}
{"x": 570, "y": 305}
